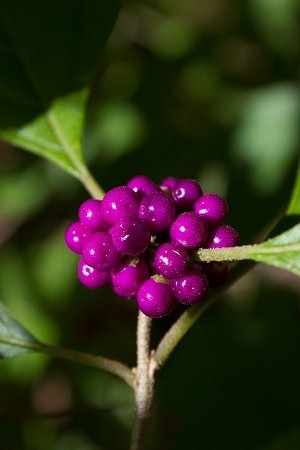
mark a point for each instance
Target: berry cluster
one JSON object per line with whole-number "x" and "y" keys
{"x": 140, "y": 238}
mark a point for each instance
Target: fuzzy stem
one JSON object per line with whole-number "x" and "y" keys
{"x": 109, "y": 365}
{"x": 242, "y": 252}
{"x": 84, "y": 174}
{"x": 144, "y": 388}
{"x": 90, "y": 184}
{"x": 191, "y": 315}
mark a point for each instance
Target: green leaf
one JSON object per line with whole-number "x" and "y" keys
{"x": 294, "y": 205}
{"x": 56, "y": 134}
{"x": 14, "y": 338}
{"x": 48, "y": 51}
{"x": 281, "y": 251}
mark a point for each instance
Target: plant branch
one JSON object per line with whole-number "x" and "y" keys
{"x": 144, "y": 388}
{"x": 85, "y": 176}
{"x": 191, "y": 315}
{"x": 242, "y": 252}
{"x": 86, "y": 359}
{"x": 294, "y": 205}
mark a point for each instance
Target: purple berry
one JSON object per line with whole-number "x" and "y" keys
{"x": 211, "y": 207}
{"x": 90, "y": 215}
{"x": 185, "y": 193}
{"x": 119, "y": 203}
{"x": 169, "y": 183}
{"x": 216, "y": 272}
{"x": 223, "y": 236}
{"x": 131, "y": 236}
{"x": 148, "y": 188}
{"x": 157, "y": 210}
{"x": 122, "y": 223}
{"x": 170, "y": 260}
{"x": 128, "y": 277}
{"x": 138, "y": 181}
{"x": 76, "y": 235}
{"x": 155, "y": 298}
{"x": 90, "y": 277}
{"x": 100, "y": 253}
{"x": 189, "y": 230}
{"x": 190, "y": 287}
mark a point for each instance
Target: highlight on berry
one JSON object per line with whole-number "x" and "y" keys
{"x": 140, "y": 238}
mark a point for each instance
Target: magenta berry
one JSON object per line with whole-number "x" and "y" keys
{"x": 148, "y": 188}
{"x": 141, "y": 238}
{"x": 157, "y": 210}
{"x": 189, "y": 230}
{"x": 90, "y": 277}
{"x": 129, "y": 276}
{"x": 90, "y": 215}
{"x": 211, "y": 207}
{"x": 185, "y": 193}
{"x": 169, "y": 183}
{"x": 131, "y": 236}
{"x": 190, "y": 287}
{"x": 76, "y": 235}
{"x": 223, "y": 236}
{"x": 155, "y": 298}
{"x": 99, "y": 252}
{"x": 119, "y": 203}
{"x": 170, "y": 260}
{"x": 138, "y": 181}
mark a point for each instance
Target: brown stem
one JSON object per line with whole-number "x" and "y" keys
{"x": 144, "y": 387}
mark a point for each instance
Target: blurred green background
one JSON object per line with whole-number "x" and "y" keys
{"x": 204, "y": 89}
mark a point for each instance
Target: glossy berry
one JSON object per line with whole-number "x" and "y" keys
{"x": 223, "y": 236}
{"x": 90, "y": 277}
{"x": 147, "y": 189}
{"x": 157, "y": 210}
{"x": 170, "y": 260}
{"x": 131, "y": 236}
{"x": 90, "y": 215}
{"x": 76, "y": 235}
{"x": 155, "y": 298}
{"x": 128, "y": 277}
{"x": 185, "y": 193}
{"x": 216, "y": 272}
{"x": 138, "y": 181}
{"x": 189, "y": 230}
{"x": 100, "y": 253}
{"x": 119, "y": 203}
{"x": 211, "y": 207}
{"x": 125, "y": 238}
{"x": 169, "y": 183}
{"x": 190, "y": 287}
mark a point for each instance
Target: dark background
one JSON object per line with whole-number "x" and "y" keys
{"x": 204, "y": 89}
